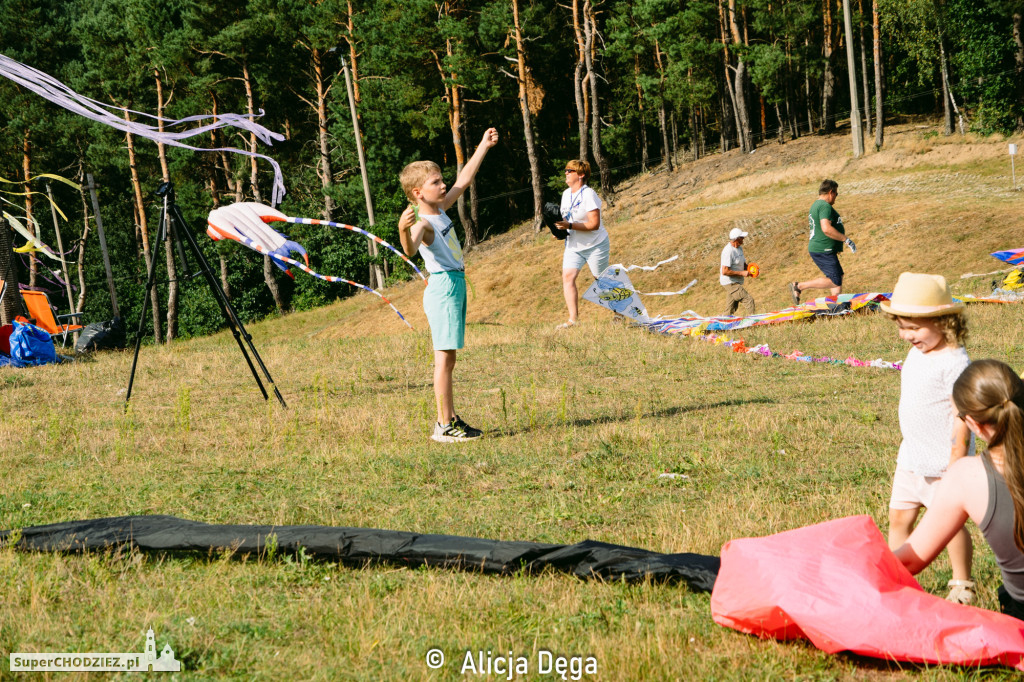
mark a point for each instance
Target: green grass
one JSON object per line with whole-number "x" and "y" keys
{"x": 581, "y": 425}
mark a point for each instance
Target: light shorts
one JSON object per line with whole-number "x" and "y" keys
{"x": 444, "y": 302}
{"x": 596, "y": 257}
{"x": 910, "y": 490}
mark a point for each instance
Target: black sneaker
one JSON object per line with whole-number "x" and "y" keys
{"x": 470, "y": 431}
{"x": 455, "y": 431}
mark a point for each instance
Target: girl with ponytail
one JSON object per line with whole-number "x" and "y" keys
{"x": 989, "y": 397}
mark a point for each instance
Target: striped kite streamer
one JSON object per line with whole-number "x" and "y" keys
{"x": 315, "y": 221}
{"x": 327, "y": 278}
{"x": 247, "y": 223}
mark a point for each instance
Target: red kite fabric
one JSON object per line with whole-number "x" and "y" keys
{"x": 838, "y": 585}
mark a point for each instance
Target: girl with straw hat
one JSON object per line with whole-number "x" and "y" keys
{"x": 933, "y": 437}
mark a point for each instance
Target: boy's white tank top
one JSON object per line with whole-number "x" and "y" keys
{"x": 445, "y": 252}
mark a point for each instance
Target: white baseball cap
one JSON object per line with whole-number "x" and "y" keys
{"x": 736, "y": 233}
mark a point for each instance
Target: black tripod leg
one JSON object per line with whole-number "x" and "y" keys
{"x": 145, "y": 303}
{"x": 237, "y": 328}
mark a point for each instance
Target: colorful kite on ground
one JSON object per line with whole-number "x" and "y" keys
{"x": 1011, "y": 256}
{"x": 828, "y": 306}
{"x": 737, "y": 345}
{"x": 838, "y": 585}
{"x": 246, "y": 223}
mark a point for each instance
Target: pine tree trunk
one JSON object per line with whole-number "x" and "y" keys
{"x": 949, "y": 101}
{"x": 30, "y": 222}
{"x": 730, "y": 90}
{"x": 140, "y": 208}
{"x": 673, "y": 139}
{"x": 764, "y": 119}
{"x": 80, "y": 304}
{"x": 377, "y": 273}
{"x": 578, "y": 78}
{"x": 268, "y": 265}
{"x": 828, "y": 86}
{"x": 746, "y": 137}
{"x": 453, "y": 92}
{"x": 807, "y": 95}
{"x": 864, "y": 70}
{"x": 1018, "y": 56}
{"x": 640, "y": 110}
{"x": 694, "y": 140}
{"x": 353, "y": 55}
{"x": 225, "y": 285}
{"x": 879, "y": 80}
{"x": 725, "y": 127}
{"x": 591, "y": 33}
{"x": 474, "y": 209}
{"x": 791, "y": 120}
{"x": 172, "y": 270}
{"x": 524, "y": 106}
{"x": 324, "y": 167}
{"x": 666, "y": 157}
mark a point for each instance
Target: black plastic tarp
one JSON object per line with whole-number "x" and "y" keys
{"x": 587, "y": 559}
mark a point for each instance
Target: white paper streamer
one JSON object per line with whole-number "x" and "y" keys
{"x": 648, "y": 268}
{"x": 52, "y": 89}
{"x": 668, "y": 293}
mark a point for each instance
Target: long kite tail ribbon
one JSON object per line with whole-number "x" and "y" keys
{"x": 668, "y": 293}
{"x": 244, "y": 222}
{"x": 329, "y": 223}
{"x": 332, "y": 278}
{"x": 52, "y": 89}
{"x": 649, "y": 268}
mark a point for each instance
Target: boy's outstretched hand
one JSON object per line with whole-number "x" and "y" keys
{"x": 490, "y": 138}
{"x": 408, "y": 219}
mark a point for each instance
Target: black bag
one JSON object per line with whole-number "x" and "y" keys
{"x": 551, "y": 215}
{"x": 108, "y": 335}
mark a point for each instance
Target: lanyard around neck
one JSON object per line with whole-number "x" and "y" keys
{"x": 574, "y": 202}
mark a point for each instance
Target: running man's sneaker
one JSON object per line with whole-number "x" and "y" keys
{"x": 455, "y": 431}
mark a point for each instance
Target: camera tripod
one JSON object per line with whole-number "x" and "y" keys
{"x": 170, "y": 218}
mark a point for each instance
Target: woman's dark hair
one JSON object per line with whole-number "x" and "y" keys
{"x": 990, "y": 392}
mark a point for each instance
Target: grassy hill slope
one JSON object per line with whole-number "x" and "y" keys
{"x": 925, "y": 203}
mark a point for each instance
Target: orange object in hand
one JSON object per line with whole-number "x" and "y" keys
{"x": 753, "y": 270}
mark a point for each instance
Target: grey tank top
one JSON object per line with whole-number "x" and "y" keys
{"x": 997, "y": 527}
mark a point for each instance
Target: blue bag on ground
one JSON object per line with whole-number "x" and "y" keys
{"x": 30, "y": 345}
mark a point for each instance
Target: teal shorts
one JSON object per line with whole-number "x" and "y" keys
{"x": 444, "y": 301}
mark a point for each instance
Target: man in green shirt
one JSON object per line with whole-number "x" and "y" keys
{"x": 826, "y": 243}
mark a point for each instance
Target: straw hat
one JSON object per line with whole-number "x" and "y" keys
{"x": 919, "y": 295}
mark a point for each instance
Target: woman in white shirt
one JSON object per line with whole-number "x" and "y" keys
{"x": 587, "y": 241}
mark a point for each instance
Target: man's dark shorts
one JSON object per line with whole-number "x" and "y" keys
{"x": 829, "y": 265}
